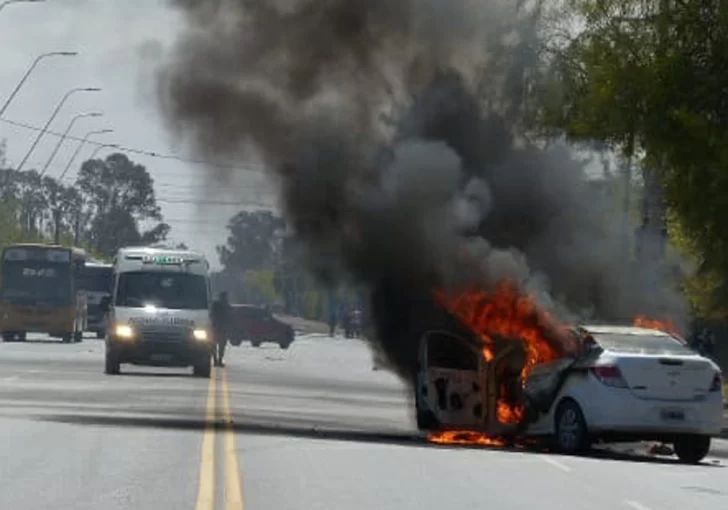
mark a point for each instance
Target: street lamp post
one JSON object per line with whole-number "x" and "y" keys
{"x": 8, "y": 2}
{"x": 52, "y": 117}
{"x": 80, "y": 146}
{"x": 64, "y": 135}
{"x": 103, "y": 146}
{"x": 30, "y": 70}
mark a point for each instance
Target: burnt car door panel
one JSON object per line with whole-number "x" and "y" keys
{"x": 453, "y": 380}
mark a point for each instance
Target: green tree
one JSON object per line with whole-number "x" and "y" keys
{"x": 649, "y": 78}
{"x": 253, "y": 241}
{"x": 118, "y": 195}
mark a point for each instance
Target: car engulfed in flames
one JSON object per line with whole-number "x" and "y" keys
{"x": 476, "y": 389}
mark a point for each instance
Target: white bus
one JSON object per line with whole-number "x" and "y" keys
{"x": 159, "y": 310}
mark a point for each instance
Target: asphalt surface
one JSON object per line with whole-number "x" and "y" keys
{"x": 313, "y": 427}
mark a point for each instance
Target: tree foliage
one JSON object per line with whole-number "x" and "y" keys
{"x": 119, "y": 196}
{"x": 253, "y": 241}
{"x": 102, "y": 210}
{"x": 650, "y": 78}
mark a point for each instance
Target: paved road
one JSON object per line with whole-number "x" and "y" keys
{"x": 309, "y": 428}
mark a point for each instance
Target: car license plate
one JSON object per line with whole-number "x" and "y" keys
{"x": 161, "y": 357}
{"x": 672, "y": 414}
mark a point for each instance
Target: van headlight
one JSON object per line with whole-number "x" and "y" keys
{"x": 124, "y": 331}
{"x": 201, "y": 335}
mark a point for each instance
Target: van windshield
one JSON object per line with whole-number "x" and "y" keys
{"x": 180, "y": 291}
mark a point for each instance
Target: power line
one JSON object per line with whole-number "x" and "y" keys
{"x": 153, "y": 154}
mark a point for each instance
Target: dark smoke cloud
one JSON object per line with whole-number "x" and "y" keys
{"x": 447, "y": 194}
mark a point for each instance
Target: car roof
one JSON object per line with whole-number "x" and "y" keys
{"x": 596, "y": 329}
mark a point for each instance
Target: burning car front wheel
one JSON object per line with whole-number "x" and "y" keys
{"x": 570, "y": 428}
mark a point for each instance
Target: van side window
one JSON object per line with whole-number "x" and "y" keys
{"x": 444, "y": 351}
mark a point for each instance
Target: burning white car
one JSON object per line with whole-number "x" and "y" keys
{"x": 625, "y": 384}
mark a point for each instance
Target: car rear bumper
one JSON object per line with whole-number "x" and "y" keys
{"x": 156, "y": 353}
{"x": 618, "y": 411}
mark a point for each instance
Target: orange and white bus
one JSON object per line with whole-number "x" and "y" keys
{"x": 40, "y": 292}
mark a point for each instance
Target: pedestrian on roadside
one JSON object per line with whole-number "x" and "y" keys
{"x": 221, "y": 312}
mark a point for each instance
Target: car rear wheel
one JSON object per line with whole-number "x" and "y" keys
{"x": 284, "y": 345}
{"x": 570, "y": 429}
{"x": 67, "y": 337}
{"x": 8, "y": 337}
{"x": 20, "y": 337}
{"x": 78, "y": 336}
{"x": 100, "y": 334}
{"x": 255, "y": 343}
{"x": 691, "y": 449}
{"x": 112, "y": 366}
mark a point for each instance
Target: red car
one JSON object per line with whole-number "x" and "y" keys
{"x": 257, "y": 325}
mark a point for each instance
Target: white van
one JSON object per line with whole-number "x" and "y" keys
{"x": 159, "y": 311}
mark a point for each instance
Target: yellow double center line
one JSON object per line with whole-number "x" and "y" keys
{"x": 207, "y": 488}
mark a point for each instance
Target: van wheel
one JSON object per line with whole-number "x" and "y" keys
{"x": 570, "y": 429}
{"x": 284, "y": 345}
{"x": 112, "y": 365}
{"x": 691, "y": 449}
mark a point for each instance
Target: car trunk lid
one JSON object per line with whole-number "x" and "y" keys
{"x": 667, "y": 378}
{"x": 658, "y": 366}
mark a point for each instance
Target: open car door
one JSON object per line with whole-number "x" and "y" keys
{"x": 451, "y": 385}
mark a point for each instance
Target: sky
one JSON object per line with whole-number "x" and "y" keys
{"x": 119, "y": 43}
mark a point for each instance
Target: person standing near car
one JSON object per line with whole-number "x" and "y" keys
{"x": 221, "y": 326}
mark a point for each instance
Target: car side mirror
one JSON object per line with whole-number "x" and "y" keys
{"x": 105, "y": 304}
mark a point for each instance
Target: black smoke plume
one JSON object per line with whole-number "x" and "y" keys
{"x": 395, "y": 130}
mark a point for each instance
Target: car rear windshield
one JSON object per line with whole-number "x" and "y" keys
{"x": 642, "y": 344}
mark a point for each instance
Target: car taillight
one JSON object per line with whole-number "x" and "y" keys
{"x": 717, "y": 384}
{"x": 609, "y": 375}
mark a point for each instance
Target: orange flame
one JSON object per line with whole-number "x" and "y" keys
{"x": 464, "y": 437}
{"x": 666, "y": 326}
{"x": 508, "y": 315}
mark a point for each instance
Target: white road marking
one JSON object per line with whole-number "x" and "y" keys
{"x": 8, "y": 379}
{"x": 636, "y": 505}
{"x": 559, "y": 465}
